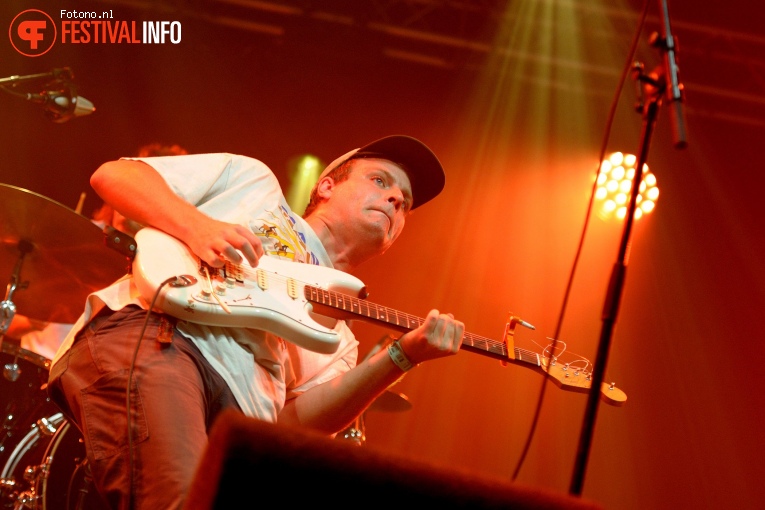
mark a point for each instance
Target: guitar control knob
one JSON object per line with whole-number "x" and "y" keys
{"x": 220, "y": 289}
{"x": 230, "y": 282}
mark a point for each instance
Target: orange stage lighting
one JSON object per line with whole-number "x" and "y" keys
{"x": 615, "y": 180}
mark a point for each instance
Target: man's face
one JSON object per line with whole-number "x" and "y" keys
{"x": 374, "y": 201}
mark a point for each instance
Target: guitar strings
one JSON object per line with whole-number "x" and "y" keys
{"x": 357, "y": 304}
{"x": 343, "y": 301}
{"x": 576, "y": 364}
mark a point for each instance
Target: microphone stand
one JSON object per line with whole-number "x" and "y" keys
{"x": 655, "y": 86}
{"x": 16, "y": 79}
{"x": 57, "y": 74}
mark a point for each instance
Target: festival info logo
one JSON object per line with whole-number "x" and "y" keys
{"x": 32, "y": 33}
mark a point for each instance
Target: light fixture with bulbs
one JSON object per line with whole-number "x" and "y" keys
{"x": 614, "y": 186}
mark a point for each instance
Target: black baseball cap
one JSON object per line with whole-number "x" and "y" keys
{"x": 422, "y": 166}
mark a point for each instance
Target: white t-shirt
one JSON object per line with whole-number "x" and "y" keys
{"x": 262, "y": 370}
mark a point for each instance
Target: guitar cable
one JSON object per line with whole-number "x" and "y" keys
{"x": 129, "y": 383}
{"x": 609, "y": 123}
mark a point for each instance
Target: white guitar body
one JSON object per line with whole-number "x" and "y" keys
{"x": 269, "y": 297}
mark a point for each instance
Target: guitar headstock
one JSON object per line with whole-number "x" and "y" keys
{"x": 568, "y": 376}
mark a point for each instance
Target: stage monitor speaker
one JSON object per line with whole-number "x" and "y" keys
{"x": 248, "y": 463}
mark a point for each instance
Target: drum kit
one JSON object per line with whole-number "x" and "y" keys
{"x": 54, "y": 257}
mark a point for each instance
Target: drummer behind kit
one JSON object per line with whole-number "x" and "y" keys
{"x": 54, "y": 257}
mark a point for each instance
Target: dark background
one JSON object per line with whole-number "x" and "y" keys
{"x": 514, "y": 97}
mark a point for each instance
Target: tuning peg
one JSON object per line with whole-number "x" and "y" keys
{"x": 520, "y": 321}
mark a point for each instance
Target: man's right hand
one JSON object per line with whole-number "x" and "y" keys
{"x": 217, "y": 242}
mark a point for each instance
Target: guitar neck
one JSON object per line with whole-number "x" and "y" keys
{"x": 343, "y": 306}
{"x": 571, "y": 377}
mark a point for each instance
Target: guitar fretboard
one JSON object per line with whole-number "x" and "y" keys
{"x": 405, "y": 322}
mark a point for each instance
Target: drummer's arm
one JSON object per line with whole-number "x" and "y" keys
{"x": 22, "y": 325}
{"x": 138, "y": 192}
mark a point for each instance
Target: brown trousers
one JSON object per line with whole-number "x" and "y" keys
{"x": 175, "y": 396}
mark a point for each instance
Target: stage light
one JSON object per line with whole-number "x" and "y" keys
{"x": 303, "y": 172}
{"x": 615, "y": 181}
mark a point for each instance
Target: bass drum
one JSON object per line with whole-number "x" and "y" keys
{"x": 49, "y": 471}
{"x": 67, "y": 484}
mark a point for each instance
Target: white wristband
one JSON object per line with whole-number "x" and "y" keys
{"x": 396, "y": 353}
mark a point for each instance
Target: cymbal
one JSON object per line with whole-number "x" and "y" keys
{"x": 390, "y": 401}
{"x": 67, "y": 258}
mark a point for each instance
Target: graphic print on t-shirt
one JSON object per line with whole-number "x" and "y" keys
{"x": 281, "y": 239}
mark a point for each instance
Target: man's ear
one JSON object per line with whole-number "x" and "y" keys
{"x": 324, "y": 187}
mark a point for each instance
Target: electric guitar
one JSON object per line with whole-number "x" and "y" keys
{"x": 301, "y": 303}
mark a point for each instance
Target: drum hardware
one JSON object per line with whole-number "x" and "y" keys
{"x": 12, "y": 371}
{"x": 27, "y": 499}
{"x": 7, "y": 486}
{"x": 356, "y": 432}
{"x": 33, "y": 475}
{"x": 18, "y": 478}
{"x": 49, "y": 471}
{"x": 87, "y": 483}
{"x": 388, "y": 402}
{"x": 7, "y": 306}
{"x": 46, "y": 426}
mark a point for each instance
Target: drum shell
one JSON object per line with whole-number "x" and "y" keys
{"x": 23, "y": 396}
{"x": 66, "y": 482}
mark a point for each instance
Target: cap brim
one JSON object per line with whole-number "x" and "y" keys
{"x": 423, "y": 168}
